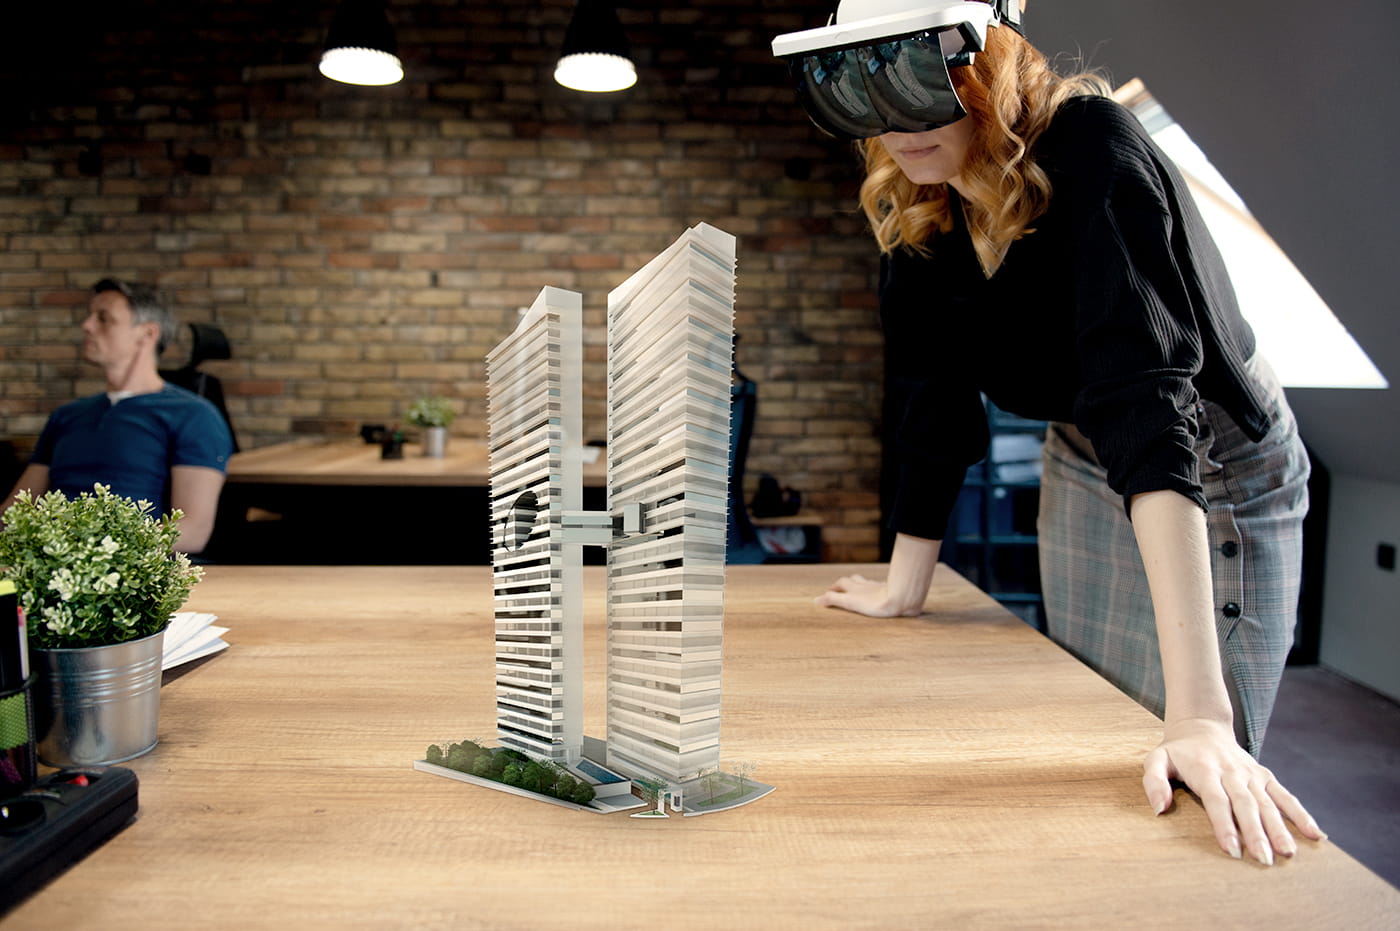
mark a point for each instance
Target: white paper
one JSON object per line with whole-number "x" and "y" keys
{"x": 191, "y": 636}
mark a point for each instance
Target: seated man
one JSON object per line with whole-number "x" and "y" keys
{"x": 147, "y": 439}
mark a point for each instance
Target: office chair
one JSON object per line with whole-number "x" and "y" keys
{"x": 207, "y": 342}
{"x": 741, "y": 539}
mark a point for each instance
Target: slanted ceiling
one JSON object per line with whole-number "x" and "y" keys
{"x": 1296, "y": 105}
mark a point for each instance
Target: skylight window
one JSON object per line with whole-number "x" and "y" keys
{"x": 1297, "y": 332}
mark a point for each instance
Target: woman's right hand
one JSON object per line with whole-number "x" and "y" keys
{"x": 911, "y": 572}
{"x": 865, "y": 596}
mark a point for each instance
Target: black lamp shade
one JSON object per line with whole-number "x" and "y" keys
{"x": 595, "y": 56}
{"x": 362, "y": 24}
{"x": 595, "y": 29}
{"x": 360, "y": 45}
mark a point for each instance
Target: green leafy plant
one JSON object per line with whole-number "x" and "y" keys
{"x": 430, "y": 412}
{"x": 503, "y": 764}
{"x": 95, "y": 569}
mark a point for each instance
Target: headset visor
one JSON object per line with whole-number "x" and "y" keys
{"x": 897, "y": 85}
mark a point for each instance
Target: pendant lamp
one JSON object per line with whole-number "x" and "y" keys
{"x": 360, "y": 45}
{"x": 595, "y": 56}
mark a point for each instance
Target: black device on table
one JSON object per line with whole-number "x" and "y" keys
{"x": 46, "y": 822}
{"x": 57, "y": 821}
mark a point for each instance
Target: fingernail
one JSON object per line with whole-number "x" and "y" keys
{"x": 1266, "y": 857}
{"x": 1234, "y": 848}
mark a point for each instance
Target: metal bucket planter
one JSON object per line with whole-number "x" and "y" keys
{"x": 435, "y": 442}
{"x": 98, "y": 705}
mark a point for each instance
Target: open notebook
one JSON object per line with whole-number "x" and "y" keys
{"x": 191, "y": 636}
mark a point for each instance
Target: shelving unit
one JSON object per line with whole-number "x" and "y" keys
{"x": 802, "y": 544}
{"x": 992, "y": 532}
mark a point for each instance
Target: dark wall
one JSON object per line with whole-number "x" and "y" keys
{"x": 1295, "y": 103}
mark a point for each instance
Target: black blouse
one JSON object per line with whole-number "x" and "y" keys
{"x": 1115, "y": 314}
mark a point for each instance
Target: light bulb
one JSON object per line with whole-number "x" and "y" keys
{"x": 361, "y": 66}
{"x": 596, "y": 72}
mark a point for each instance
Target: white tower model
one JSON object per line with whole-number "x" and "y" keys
{"x": 670, "y": 364}
{"x": 670, "y": 359}
{"x": 535, "y": 377}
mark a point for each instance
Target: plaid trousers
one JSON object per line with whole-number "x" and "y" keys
{"x": 1097, "y": 602}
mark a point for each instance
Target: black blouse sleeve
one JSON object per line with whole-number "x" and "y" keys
{"x": 935, "y": 422}
{"x": 1138, "y": 342}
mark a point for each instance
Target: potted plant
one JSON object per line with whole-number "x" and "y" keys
{"x": 434, "y": 415}
{"x": 98, "y": 581}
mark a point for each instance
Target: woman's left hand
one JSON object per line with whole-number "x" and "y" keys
{"x": 1245, "y": 803}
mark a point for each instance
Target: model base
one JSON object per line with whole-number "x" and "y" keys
{"x": 613, "y": 791}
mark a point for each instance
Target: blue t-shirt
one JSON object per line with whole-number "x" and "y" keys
{"x": 132, "y": 444}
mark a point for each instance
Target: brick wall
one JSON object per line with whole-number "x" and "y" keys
{"x": 361, "y": 246}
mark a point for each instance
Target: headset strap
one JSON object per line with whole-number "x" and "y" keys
{"x": 1009, "y": 12}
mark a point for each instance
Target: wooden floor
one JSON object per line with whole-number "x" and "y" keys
{"x": 1336, "y": 745}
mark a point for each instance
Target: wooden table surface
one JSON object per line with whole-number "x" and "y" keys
{"x": 954, "y": 770}
{"x": 351, "y": 461}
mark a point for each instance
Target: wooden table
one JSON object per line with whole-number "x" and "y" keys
{"x": 355, "y": 462}
{"x": 337, "y": 501}
{"x": 954, "y": 770}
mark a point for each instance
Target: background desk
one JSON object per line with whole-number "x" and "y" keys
{"x": 955, "y": 770}
{"x": 338, "y": 501}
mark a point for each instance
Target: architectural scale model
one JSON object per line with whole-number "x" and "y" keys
{"x": 670, "y": 359}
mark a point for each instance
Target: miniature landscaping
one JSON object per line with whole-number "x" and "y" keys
{"x": 716, "y": 791}
{"x": 591, "y": 785}
{"x": 512, "y": 768}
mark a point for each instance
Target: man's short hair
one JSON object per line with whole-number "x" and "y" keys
{"x": 147, "y": 306}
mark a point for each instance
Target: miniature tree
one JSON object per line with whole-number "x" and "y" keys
{"x": 488, "y": 765}
{"x": 710, "y": 780}
{"x": 654, "y": 791}
{"x": 463, "y": 756}
{"x": 564, "y": 787}
{"x": 555, "y": 776}
{"x": 532, "y": 777}
{"x": 743, "y": 771}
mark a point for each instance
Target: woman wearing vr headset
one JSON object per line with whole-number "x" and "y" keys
{"x": 1038, "y": 248}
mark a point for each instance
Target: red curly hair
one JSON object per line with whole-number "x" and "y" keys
{"x": 1011, "y": 94}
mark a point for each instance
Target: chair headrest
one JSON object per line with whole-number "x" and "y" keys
{"x": 207, "y": 342}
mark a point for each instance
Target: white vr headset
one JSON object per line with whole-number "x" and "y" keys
{"x": 882, "y": 66}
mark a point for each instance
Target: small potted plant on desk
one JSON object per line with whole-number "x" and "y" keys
{"x": 98, "y": 581}
{"x": 434, "y": 415}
